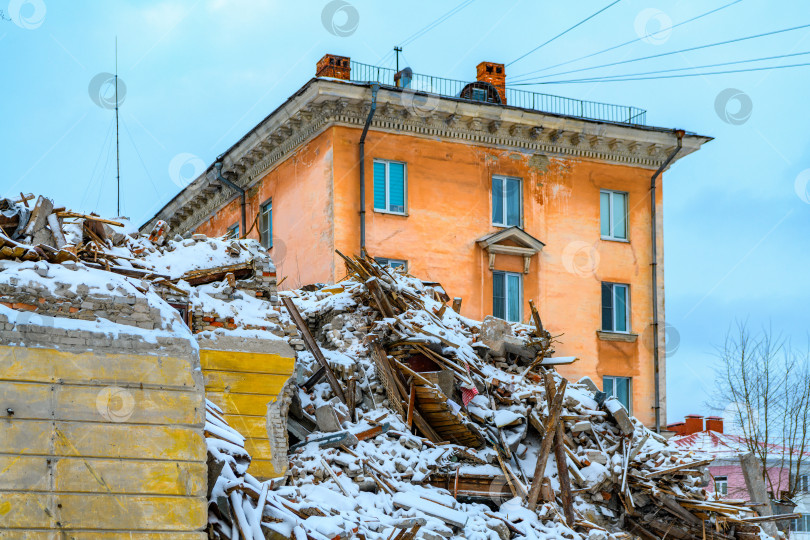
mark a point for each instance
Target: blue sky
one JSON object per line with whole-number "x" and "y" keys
{"x": 200, "y": 74}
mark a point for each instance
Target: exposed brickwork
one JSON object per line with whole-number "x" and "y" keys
{"x": 332, "y": 65}
{"x": 494, "y": 74}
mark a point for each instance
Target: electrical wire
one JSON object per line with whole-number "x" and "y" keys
{"x": 140, "y": 158}
{"x": 608, "y": 77}
{"x": 564, "y": 32}
{"x": 682, "y": 75}
{"x": 689, "y": 49}
{"x": 98, "y": 160}
{"x": 668, "y": 29}
{"x": 430, "y": 26}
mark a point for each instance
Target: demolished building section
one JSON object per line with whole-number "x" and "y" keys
{"x": 395, "y": 418}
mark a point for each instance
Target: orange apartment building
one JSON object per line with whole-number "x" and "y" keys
{"x": 502, "y": 196}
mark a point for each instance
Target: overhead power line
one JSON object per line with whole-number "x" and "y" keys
{"x": 682, "y": 75}
{"x": 668, "y": 29}
{"x": 689, "y": 49}
{"x": 564, "y": 32}
{"x": 606, "y": 78}
{"x": 430, "y": 26}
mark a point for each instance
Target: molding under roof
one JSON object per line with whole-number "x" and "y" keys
{"x": 323, "y": 103}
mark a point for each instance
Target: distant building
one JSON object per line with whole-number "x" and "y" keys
{"x": 501, "y": 195}
{"x": 727, "y": 480}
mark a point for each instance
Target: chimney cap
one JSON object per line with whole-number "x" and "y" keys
{"x": 694, "y": 416}
{"x": 714, "y": 418}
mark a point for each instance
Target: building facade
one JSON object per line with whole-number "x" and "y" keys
{"x": 727, "y": 480}
{"x": 470, "y": 185}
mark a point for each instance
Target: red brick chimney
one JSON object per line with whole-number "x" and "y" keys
{"x": 677, "y": 428}
{"x": 693, "y": 424}
{"x": 714, "y": 423}
{"x": 495, "y": 74}
{"x": 332, "y": 65}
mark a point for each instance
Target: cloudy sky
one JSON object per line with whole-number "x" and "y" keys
{"x": 197, "y": 75}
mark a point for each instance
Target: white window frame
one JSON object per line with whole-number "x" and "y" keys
{"x": 506, "y": 293}
{"x": 387, "y": 210}
{"x": 233, "y": 232}
{"x": 721, "y": 485}
{"x": 611, "y": 217}
{"x": 267, "y": 243}
{"x": 390, "y": 263}
{"x": 612, "y": 393}
{"x": 613, "y": 303}
{"x": 503, "y": 198}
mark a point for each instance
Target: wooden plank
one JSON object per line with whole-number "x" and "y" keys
{"x": 248, "y": 426}
{"x": 560, "y": 456}
{"x": 246, "y": 362}
{"x": 57, "y": 366}
{"x": 312, "y": 346}
{"x": 244, "y": 383}
{"x": 103, "y": 535}
{"x": 411, "y": 403}
{"x": 86, "y": 403}
{"x": 457, "y": 304}
{"x": 109, "y": 440}
{"x": 238, "y": 404}
{"x": 545, "y": 446}
{"x": 387, "y": 377}
{"x": 210, "y": 275}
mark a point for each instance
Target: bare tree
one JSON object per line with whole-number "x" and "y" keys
{"x": 769, "y": 384}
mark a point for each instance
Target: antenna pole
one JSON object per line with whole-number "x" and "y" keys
{"x": 117, "y": 155}
{"x": 397, "y": 50}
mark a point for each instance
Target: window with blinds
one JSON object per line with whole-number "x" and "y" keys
{"x": 390, "y": 187}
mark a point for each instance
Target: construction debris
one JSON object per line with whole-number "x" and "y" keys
{"x": 406, "y": 419}
{"x": 512, "y": 451}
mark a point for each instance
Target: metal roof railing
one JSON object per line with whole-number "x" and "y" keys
{"x": 591, "y": 110}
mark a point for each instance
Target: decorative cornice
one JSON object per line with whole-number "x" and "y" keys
{"x": 322, "y": 104}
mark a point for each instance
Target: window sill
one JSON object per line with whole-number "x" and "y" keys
{"x": 378, "y": 211}
{"x": 506, "y": 226}
{"x": 617, "y": 336}
{"x": 620, "y": 240}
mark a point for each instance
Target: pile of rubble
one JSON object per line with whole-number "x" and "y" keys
{"x": 406, "y": 419}
{"x": 405, "y": 425}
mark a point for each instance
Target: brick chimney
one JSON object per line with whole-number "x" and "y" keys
{"x": 694, "y": 424}
{"x": 332, "y": 65}
{"x": 714, "y": 423}
{"x": 677, "y": 428}
{"x": 495, "y": 74}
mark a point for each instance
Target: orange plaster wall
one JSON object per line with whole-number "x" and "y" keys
{"x": 303, "y": 224}
{"x": 449, "y": 208}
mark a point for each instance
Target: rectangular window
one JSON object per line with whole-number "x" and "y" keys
{"x": 507, "y": 201}
{"x": 266, "y": 224}
{"x": 804, "y": 483}
{"x": 801, "y": 524}
{"x": 393, "y": 263}
{"x": 507, "y": 295}
{"x": 618, "y": 387}
{"x": 233, "y": 231}
{"x": 615, "y": 307}
{"x": 613, "y": 215}
{"x": 389, "y": 186}
{"x": 479, "y": 94}
{"x": 721, "y": 485}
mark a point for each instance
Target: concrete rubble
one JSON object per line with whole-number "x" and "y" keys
{"x": 405, "y": 419}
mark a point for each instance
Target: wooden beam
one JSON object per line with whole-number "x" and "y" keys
{"x": 559, "y": 454}
{"x": 545, "y": 447}
{"x": 312, "y": 345}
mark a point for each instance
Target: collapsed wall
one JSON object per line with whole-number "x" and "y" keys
{"x": 101, "y": 423}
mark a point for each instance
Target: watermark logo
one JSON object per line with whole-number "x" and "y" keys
{"x": 672, "y": 339}
{"x": 27, "y": 14}
{"x": 420, "y": 104}
{"x": 802, "y": 186}
{"x": 653, "y": 26}
{"x": 102, "y": 90}
{"x": 499, "y": 491}
{"x": 184, "y": 168}
{"x": 340, "y": 18}
{"x": 580, "y": 258}
{"x": 733, "y": 106}
{"x": 115, "y": 404}
{"x": 29, "y": 323}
